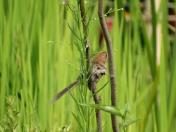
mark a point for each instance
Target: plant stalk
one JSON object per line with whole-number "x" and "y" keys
{"x": 110, "y": 60}
{"x": 87, "y": 51}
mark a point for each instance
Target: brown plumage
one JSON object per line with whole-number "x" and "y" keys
{"x": 98, "y": 69}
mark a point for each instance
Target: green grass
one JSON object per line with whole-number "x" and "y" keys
{"x": 41, "y": 52}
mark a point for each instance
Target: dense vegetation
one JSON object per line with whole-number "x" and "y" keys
{"x": 41, "y": 52}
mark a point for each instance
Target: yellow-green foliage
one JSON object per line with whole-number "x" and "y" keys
{"x": 41, "y": 52}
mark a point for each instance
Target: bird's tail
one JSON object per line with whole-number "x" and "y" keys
{"x": 61, "y": 93}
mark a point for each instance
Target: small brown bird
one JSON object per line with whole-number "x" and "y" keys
{"x": 98, "y": 69}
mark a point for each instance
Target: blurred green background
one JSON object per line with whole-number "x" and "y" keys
{"x": 41, "y": 52}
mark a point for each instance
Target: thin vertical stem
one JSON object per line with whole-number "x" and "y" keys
{"x": 87, "y": 52}
{"x": 110, "y": 61}
{"x": 97, "y": 111}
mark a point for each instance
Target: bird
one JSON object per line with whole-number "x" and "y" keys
{"x": 97, "y": 71}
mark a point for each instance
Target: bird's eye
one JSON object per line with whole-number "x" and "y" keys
{"x": 98, "y": 68}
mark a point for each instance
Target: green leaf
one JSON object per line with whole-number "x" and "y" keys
{"x": 106, "y": 108}
{"x": 129, "y": 122}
